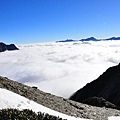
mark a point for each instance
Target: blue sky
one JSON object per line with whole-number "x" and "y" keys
{"x": 28, "y": 21}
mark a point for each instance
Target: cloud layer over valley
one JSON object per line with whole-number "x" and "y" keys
{"x": 59, "y": 68}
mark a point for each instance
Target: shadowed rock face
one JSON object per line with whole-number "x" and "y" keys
{"x": 4, "y": 47}
{"x": 106, "y": 86}
{"x": 98, "y": 101}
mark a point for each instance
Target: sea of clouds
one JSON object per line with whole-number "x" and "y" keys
{"x": 59, "y": 68}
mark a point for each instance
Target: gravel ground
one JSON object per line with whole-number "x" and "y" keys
{"x": 58, "y": 103}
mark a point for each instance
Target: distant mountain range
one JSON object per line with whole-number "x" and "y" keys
{"x": 113, "y": 38}
{"x": 90, "y": 39}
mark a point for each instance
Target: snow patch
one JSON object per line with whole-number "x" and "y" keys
{"x": 9, "y": 99}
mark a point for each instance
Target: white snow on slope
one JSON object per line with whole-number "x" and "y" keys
{"x": 114, "y": 118}
{"x": 9, "y": 99}
{"x": 59, "y": 68}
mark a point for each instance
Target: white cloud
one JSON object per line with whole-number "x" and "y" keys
{"x": 59, "y": 68}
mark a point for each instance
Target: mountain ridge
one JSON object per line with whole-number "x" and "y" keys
{"x": 106, "y": 86}
{"x": 58, "y": 103}
{"x": 90, "y": 39}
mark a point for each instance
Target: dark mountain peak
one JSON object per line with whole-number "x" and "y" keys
{"x": 113, "y": 38}
{"x": 89, "y": 39}
{"x": 67, "y": 40}
{"x": 106, "y": 86}
{"x": 4, "y": 47}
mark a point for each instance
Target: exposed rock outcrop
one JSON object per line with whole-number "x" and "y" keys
{"x": 106, "y": 86}
{"x": 4, "y": 47}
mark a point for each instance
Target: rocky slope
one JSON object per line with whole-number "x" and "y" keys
{"x": 58, "y": 103}
{"x": 106, "y": 86}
